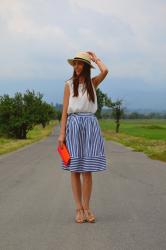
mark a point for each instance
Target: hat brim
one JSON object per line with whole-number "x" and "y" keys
{"x": 71, "y": 61}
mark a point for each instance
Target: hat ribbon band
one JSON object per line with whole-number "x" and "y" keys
{"x": 81, "y": 59}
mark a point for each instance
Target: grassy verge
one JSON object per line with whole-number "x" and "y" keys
{"x": 139, "y": 135}
{"x": 36, "y": 134}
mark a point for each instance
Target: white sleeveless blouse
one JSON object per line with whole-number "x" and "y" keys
{"x": 81, "y": 102}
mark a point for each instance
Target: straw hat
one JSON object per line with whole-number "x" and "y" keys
{"x": 81, "y": 56}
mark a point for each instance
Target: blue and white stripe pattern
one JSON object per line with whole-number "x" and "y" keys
{"x": 85, "y": 143}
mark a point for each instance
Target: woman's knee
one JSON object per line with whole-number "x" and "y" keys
{"x": 75, "y": 174}
{"x": 86, "y": 174}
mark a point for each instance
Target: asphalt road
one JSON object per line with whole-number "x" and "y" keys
{"x": 37, "y": 209}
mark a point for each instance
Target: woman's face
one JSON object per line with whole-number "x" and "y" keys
{"x": 78, "y": 66}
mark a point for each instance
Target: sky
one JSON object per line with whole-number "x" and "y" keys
{"x": 37, "y": 38}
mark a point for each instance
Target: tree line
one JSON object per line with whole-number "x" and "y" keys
{"x": 19, "y": 114}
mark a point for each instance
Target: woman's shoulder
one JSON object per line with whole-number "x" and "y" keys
{"x": 68, "y": 82}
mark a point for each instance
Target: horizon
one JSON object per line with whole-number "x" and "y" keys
{"x": 128, "y": 37}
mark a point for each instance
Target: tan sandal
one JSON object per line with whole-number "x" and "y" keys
{"x": 89, "y": 216}
{"x": 80, "y": 218}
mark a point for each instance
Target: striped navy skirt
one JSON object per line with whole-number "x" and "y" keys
{"x": 85, "y": 143}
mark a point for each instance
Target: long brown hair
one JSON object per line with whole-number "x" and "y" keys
{"x": 86, "y": 72}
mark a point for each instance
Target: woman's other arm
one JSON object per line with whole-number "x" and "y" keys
{"x": 62, "y": 135}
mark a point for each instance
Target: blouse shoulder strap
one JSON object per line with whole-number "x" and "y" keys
{"x": 68, "y": 82}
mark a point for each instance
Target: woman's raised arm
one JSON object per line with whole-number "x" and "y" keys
{"x": 103, "y": 69}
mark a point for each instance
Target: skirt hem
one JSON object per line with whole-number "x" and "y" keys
{"x": 68, "y": 169}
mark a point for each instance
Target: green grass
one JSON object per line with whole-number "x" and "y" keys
{"x": 150, "y": 129}
{"x": 148, "y": 136}
{"x": 36, "y": 134}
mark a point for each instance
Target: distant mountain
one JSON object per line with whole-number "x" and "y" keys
{"x": 145, "y": 111}
{"x": 139, "y": 110}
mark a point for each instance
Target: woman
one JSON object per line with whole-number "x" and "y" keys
{"x": 80, "y": 130}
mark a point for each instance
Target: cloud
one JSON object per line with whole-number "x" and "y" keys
{"x": 131, "y": 33}
{"x": 29, "y": 46}
{"x": 38, "y": 36}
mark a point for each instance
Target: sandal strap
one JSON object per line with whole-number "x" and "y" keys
{"x": 79, "y": 209}
{"x": 80, "y": 217}
{"x": 89, "y": 213}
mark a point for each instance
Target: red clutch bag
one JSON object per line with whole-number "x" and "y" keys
{"x": 64, "y": 153}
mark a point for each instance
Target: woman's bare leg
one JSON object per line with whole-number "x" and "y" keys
{"x": 86, "y": 189}
{"x": 76, "y": 188}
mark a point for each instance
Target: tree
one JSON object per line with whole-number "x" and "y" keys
{"x": 117, "y": 113}
{"x": 48, "y": 113}
{"x": 102, "y": 100}
{"x": 21, "y": 113}
{"x": 58, "y": 115}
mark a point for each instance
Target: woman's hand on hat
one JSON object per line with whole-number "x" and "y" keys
{"x": 92, "y": 55}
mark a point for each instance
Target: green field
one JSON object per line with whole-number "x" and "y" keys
{"x": 148, "y": 136}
